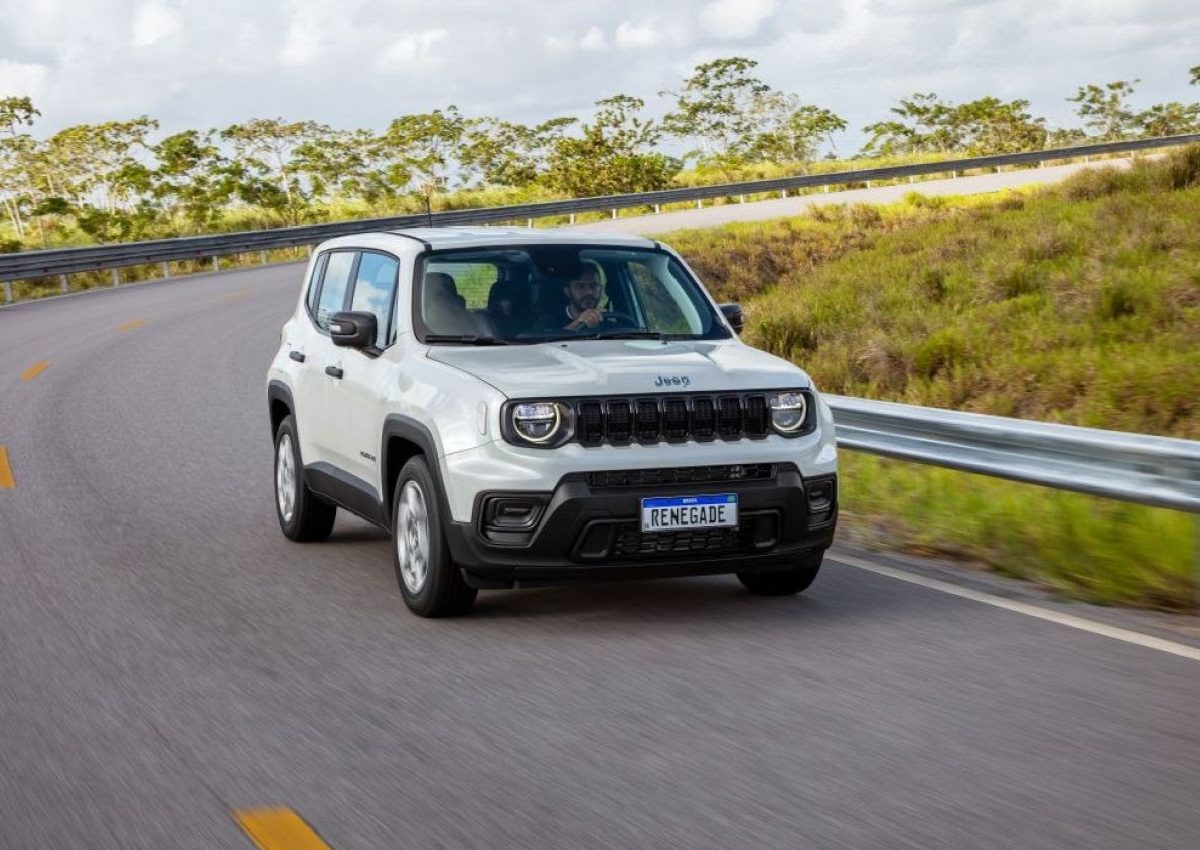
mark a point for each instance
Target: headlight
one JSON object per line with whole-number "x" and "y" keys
{"x": 789, "y": 411}
{"x": 544, "y": 424}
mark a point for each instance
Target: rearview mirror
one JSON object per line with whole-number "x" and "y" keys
{"x": 734, "y": 315}
{"x": 354, "y": 330}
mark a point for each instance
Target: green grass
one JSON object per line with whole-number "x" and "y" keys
{"x": 1077, "y": 304}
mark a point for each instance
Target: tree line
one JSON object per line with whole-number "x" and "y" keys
{"x": 114, "y": 181}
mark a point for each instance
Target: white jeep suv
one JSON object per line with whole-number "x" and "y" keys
{"x": 521, "y": 407}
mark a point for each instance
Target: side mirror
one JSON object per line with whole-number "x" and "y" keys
{"x": 354, "y": 330}
{"x": 734, "y": 315}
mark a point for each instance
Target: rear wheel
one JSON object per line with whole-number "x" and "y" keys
{"x": 430, "y": 582}
{"x": 784, "y": 582}
{"x": 303, "y": 517}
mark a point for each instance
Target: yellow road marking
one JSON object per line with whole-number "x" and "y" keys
{"x": 130, "y": 325}
{"x": 278, "y": 829}
{"x": 7, "y": 482}
{"x": 235, "y": 296}
{"x": 35, "y": 370}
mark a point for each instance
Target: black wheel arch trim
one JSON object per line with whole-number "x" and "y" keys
{"x": 410, "y": 429}
{"x": 279, "y": 391}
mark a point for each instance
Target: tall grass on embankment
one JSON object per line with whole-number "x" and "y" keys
{"x": 1076, "y": 304}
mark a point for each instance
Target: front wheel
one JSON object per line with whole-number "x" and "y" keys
{"x": 784, "y": 582}
{"x": 431, "y": 584}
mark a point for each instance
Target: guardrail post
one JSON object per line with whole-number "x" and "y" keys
{"x": 912, "y": 178}
{"x": 166, "y": 269}
{"x": 825, "y": 188}
{"x": 699, "y": 204}
{"x": 657, "y": 209}
{"x": 529, "y": 223}
{"x": 262, "y": 258}
{"x": 1041, "y": 163}
{"x": 614, "y": 213}
{"x": 8, "y": 292}
{"x": 216, "y": 263}
{"x": 783, "y": 193}
{"x": 868, "y": 184}
{"x": 63, "y": 285}
{"x": 116, "y": 276}
{"x": 741, "y": 199}
{"x": 571, "y": 218}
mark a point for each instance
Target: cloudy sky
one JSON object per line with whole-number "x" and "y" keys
{"x": 359, "y": 63}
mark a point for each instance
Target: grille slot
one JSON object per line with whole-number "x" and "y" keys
{"x": 647, "y": 420}
{"x": 704, "y": 418}
{"x": 590, "y": 423}
{"x": 620, "y": 421}
{"x": 675, "y": 419}
{"x": 729, "y": 417}
{"x": 755, "y": 419}
{"x": 611, "y": 478}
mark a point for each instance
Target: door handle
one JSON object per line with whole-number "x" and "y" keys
{"x": 333, "y": 371}
{"x": 297, "y": 356}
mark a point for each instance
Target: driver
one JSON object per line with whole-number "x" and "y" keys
{"x": 584, "y": 293}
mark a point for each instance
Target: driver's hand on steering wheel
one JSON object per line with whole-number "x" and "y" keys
{"x": 589, "y": 318}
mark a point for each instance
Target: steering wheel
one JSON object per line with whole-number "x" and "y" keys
{"x": 616, "y": 317}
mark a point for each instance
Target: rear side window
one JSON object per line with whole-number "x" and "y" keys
{"x": 373, "y": 287}
{"x": 334, "y": 285}
{"x": 314, "y": 283}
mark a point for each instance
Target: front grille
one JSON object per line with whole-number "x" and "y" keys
{"x": 675, "y": 418}
{"x": 611, "y": 478}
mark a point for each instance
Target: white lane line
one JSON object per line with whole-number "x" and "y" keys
{"x": 1114, "y": 632}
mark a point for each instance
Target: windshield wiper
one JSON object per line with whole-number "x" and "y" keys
{"x": 626, "y": 335}
{"x": 465, "y": 339}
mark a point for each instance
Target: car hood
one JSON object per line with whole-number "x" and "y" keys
{"x": 622, "y": 367}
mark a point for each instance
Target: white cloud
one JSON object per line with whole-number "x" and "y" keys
{"x": 735, "y": 19}
{"x": 22, "y": 79}
{"x": 593, "y": 39}
{"x": 414, "y": 48}
{"x": 632, "y": 36}
{"x": 152, "y": 22}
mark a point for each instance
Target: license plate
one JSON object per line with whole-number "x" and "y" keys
{"x": 680, "y": 513}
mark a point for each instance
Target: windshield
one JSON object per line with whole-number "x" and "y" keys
{"x": 512, "y": 295}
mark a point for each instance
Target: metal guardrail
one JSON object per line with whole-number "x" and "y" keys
{"x": 1158, "y": 471}
{"x": 62, "y": 261}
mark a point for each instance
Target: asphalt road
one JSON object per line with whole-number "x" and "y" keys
{"x": 713, "y": 216}
{"x": 167, "y": 657}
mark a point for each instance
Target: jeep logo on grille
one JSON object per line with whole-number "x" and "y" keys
{"x": 672, "y": 381}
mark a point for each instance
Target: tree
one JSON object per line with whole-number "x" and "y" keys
{"x": 265, "y": 149}
{"x": 927, "y": 124}
{"x": 351, "y": 164}
{"x": 614, "y": 153}
{"x": 422, "y": 150}
{"x": 101, "y": 171}
{"x": 1195, "y": 72}
{"x": 992, "y": 126}
{"x": 193, "y": 176}
{"x": 718, "y": 106}
{"x": 792, "y": 129}
{"x": 506, "y": 154}
{"x": 1170, "y": 119}
{"x": 17, "y": 152}
{"x": 922, "y": 125}
{"x": 1105, "y": 109}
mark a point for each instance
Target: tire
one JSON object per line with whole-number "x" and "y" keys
{"x": 303, "y": 517}
{"x": 431, "y": 584}
{"x": 784, "y": 582}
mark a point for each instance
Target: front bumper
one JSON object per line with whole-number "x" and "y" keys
{"x": 589, "y": 527}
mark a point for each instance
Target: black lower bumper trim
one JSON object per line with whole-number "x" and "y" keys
{"x": 587, "y": 533}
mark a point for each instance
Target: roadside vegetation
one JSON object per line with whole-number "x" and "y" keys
{"x": 1077, "y": 304}
{"x": 122, "y": 179}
